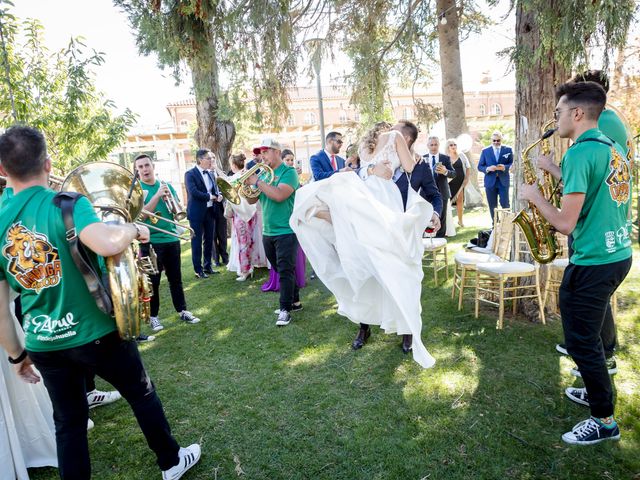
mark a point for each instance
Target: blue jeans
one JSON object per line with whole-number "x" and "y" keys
{"x": 119, "y": 363}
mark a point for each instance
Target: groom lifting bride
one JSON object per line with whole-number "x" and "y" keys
{"x": 377, "y": 279}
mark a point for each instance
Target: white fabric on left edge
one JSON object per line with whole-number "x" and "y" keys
{"x": 27, "y": 433}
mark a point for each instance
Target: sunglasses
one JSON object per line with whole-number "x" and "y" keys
{"x": 339, "y": 142}
{"x": 496, "y": 141}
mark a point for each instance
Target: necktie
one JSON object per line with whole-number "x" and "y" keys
{"x": 496, "y": 152}
{"x": 333, "y": 163}
{"x": 214, "y": 187}
{"x": 433, "y": 164}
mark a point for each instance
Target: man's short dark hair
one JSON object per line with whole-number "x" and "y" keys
{"x": 597, "y": 76}
{"x": 332, "y": 136}
{"x": 409, "y": 129}
{"x": 589, "y": 96}
{"x": 23, "y": 151}
{"x": 141, "y": 156}
{"x": 200, "y": 154}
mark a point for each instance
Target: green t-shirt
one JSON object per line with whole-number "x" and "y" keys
{"x": 162, "y": 210}
{"x": 610, "y": 124}
{"x": 59, "y": 311}
{"x": 275, "y": 215}
{"x": 603, "y": 174}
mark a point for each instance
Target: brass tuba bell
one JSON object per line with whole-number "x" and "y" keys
{"x": 117, "y": 198}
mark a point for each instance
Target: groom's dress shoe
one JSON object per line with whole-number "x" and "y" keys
{"x": 406, "y": 343}
{"x": 361, "y": 338}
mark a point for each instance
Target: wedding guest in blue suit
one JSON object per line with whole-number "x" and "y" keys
{"x": 203, "y": 199}
{"x": 327, "y": 162}
{"x": 495, "y": 162}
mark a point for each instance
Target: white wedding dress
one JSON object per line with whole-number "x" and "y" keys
{"x": 27, "y": 433}
{"x": 370, "y": 255}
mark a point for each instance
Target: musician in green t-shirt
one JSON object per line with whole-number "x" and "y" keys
{"x": 66, "y": 334}
{"x": 166, "y": 246}
{"x": 595, "y": 206}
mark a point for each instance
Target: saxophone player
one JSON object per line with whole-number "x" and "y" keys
{"x": 166, "y": 246}
{"x": 596, "y": 201}
{"x": 66, "y": 334}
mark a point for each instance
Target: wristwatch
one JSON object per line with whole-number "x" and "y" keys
{"x": 21, "y": 357}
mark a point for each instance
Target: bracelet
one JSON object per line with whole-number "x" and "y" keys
{"x": 21, "y": 357}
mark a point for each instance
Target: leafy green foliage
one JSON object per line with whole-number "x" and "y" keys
{"x": 242, "y": 55}
{"x": 507, "y": 130}
{"x": 570, "y": 29}
{"x": 55, "y": 92}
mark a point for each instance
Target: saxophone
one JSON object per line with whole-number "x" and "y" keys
{"x": 539, "y": 233}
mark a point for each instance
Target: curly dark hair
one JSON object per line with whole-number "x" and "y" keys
{"x": 370, "y": 140}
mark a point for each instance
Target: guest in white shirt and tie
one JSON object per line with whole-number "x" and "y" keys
{"x": 327, "y": 162}
{"x": 442, "y": 172}
{"x": 203, "y": 199}
{"x": 495, "y": 162}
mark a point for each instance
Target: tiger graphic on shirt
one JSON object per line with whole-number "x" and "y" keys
{"x": 619, "y": 178}
{"x": 33, "y": 261}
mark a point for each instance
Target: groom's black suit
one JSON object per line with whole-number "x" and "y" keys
{"x": 422, "y": 181}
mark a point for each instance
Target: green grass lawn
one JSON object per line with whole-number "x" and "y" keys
{"x": 298, "y": 403}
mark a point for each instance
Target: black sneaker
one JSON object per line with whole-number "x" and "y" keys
{"x": 612, "y": 368}
{"x": 201, "y": 275}
{"x": 142, "y": 338}
{"x": 284, "y": 319}
{"x": 188, "y": 317}
{"x": 561, "y": 348}
{"x": 295, "y": 307}
{"x": 590, "y": 432}
{"x": 578, "y": 395}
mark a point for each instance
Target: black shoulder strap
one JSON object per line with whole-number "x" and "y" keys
{"x": 66, "y": 201}
{"x": 599, "y": 140}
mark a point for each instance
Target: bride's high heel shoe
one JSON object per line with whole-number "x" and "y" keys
{"x": 244, "y": 277}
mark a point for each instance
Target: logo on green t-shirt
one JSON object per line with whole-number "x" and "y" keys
{"x": 33, "y": 261}
{"x": 619, "y": 178}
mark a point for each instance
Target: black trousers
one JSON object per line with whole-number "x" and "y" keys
{"x": 585, "y": 293}
{"x": 281, "y": 251}
{"x": 443, "y": 218}
{"x": 219, "y": 234}
{"x": 168, "y": 261}
{"x": 119, "y": 363}
{"x": 202, "y": 235}
{"x": 608, "y": 334}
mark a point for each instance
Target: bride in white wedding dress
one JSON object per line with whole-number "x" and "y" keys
{"x": 363, "y": 245}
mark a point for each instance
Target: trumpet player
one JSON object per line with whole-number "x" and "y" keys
{"x": 66, "y": 334}
{"x": 166, "y": 246}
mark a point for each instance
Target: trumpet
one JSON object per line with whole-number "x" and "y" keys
{"x": 172, "y": 205}
{"x": 234, "y": 189}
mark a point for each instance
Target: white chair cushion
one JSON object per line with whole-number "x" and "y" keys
{"x": 505, "y": 267}
{"x": 472, "y": 258}
{"x": 560, "y": 263}
{"x": 475, "y": 248}
{"x": 433, "y": 243}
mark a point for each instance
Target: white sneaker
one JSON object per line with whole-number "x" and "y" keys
{"x": 188, "y": 457}
{"x": 96, "y": 398}
{"x": 90, "y": 424}
{"x": 283, "y": 319}
{"x": 188, "y": 317}
{"x": 154, "y": 323}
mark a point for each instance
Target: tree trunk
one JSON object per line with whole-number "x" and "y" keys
{"x": 452, "y": 92}
{"x": 453, "y": 107}
{"x": 535, "y": 103}
{"x": 216, "y": 135}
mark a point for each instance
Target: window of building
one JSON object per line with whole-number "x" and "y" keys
{"x": 356, "y": 116}
{"x": 184, "y": 123}
{"x": 343, "y": 116}
{"x": 407, "y": 113}
{"x": 291, "y": 121}
{"x": 483, "y": 109}
{"x": 309, "y": 118}
{"x": 496, "y": 109}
